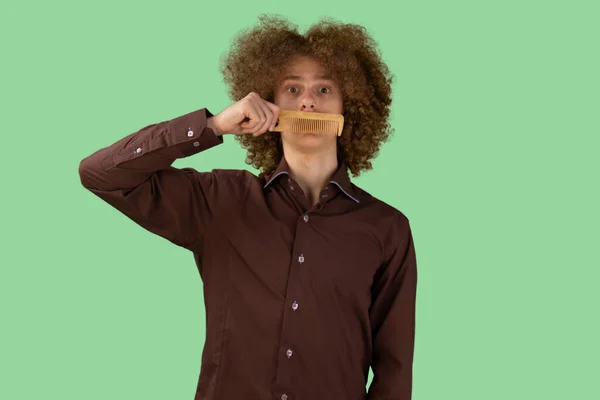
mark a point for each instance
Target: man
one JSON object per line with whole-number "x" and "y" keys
{"x": 308, "y": 279}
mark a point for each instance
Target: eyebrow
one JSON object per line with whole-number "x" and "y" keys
{"x": 299, "y": 78}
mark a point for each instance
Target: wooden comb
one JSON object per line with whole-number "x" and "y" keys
{"x": 309, "y": 122}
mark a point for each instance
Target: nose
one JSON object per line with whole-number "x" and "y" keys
{"x": 308, "y": 103}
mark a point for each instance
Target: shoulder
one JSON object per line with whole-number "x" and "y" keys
{"x": 223, "y": 175}
{"x": 227, "y": 182}
{"x": 235, "y": 174}
{"x": 379, "y": 209}
{"x": 389, "y": 221}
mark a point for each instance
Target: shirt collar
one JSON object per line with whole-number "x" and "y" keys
{"x": 340, "y": 178}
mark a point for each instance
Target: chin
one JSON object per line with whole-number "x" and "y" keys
{"x": 309, "y": 139}
{"x": 296, "y": 136}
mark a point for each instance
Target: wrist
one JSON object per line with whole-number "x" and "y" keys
{"x": 211, "y": 123}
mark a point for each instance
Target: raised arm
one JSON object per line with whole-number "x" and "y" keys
{"x": 135, "y": 176}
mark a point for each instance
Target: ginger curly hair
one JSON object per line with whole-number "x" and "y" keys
{"x": 259, "y": 56}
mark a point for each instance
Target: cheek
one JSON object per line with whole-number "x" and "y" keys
{"x": 284, "y": 102}
{"x": 338, "y": 105}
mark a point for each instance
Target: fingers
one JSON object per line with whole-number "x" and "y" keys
{"x": 262, "y": 115}
{"x": 267, "y": 120}
{"x": 275, "y": 113}
{"x": 255, "y": 115}
{"x": 272, "y": 114}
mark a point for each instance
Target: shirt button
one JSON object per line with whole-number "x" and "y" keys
{"x": 284, "y": 396}
{"x": 138, "y": 150}
{"x": 295, "y": 306}
{"x": 196, "y": 144}
{"x": 291, "y": 188}
{"x": 289, "y": 353}
{"x": 305, "y": 218}
{"x": 301, "y": 259}
{"x": 190, "y": 132}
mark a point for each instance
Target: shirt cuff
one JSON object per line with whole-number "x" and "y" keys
{"x": 190, "y": 133}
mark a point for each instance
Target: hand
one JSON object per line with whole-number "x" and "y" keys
{"x": 252, "y": 114}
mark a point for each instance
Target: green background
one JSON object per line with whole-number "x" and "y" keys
{"x": 494, "y": 161}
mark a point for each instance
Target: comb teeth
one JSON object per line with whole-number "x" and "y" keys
{"x": 319, "y": 127}
{"x": 310, "y": 122}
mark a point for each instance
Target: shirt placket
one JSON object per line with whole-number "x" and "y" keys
{"x": 300, "y": 259}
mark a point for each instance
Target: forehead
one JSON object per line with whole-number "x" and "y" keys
{"x": 304, "y": 64}
{"x": 305, "y": 68}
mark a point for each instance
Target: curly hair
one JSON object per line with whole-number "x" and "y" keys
{"x": 260, "y": 55}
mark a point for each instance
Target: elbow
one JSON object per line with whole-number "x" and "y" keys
{"x": 86, "y": 173}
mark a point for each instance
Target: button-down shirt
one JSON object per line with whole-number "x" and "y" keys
{"x": 300, "y": 299}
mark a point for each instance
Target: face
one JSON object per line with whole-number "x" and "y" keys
{"x": 305, "y": 87}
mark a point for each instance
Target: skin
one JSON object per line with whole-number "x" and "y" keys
{"x": 312, "y": 158}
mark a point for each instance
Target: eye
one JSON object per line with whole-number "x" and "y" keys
{"x": 291, "y": 87}
{"x": 324, "y": 88}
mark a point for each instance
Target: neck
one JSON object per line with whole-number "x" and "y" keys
{"x": 312, "y": 171}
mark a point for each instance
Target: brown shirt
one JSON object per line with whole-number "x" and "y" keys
{"x": 300, "y": 300}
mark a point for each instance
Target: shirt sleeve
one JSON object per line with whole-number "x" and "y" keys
{"x": 135, "y": 175}
{"x": 393, "y": 320}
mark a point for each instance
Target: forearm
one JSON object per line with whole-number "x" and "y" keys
{"x": 131, "y": 160}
